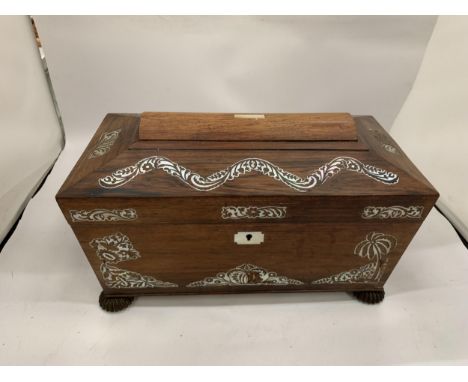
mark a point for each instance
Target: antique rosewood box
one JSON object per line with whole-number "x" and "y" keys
{"x": 181, "y": 203}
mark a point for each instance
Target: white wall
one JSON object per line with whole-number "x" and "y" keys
{"x": 432, "y": 127}
{"x": 364, "y": 65}
{"x": 31, "y": 137}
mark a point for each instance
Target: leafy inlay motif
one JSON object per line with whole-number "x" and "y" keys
{"x": 375, "y": 247}
{"x": 105, "y": 143}
{"x": 265, "y": 212}
{"x": 124, "y": 175}
{"x": 245, "y": 274}
{"x": 103, "y": 215}
{"x": 117, "y": 248}
{"x": 392, "y": 212}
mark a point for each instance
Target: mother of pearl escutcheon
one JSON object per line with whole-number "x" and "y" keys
{"x": 249, "y": 238}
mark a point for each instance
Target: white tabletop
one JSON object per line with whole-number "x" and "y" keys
{"x": 50, "y": 314}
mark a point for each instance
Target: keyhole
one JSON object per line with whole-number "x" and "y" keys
{"x": 248, "y": 236}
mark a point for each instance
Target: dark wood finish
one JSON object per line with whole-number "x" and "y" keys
{"x": 206, "y": 210}
{"x": 180, "y": 235}
{"x": 187, "y": 252}
{"x": 113, "y": 304}
{"x": 250, "y": 145}
{"x": 370, "y": 297}
{"x": 247, "y": 127}
{"x": 206, "y": 162}
{"x": 128, "y": 126}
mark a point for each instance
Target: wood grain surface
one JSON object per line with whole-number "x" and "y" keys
{"x": 180, "y": 233}
{"x": 270, "y": 127}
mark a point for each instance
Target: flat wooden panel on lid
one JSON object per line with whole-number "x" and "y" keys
{"x": 247, "y": 127}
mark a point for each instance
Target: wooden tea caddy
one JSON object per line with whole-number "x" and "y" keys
{"x": 187, "y": 203}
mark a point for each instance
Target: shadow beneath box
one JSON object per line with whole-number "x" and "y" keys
{"x": 231, "y": 299}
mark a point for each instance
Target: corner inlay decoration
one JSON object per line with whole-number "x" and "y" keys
{"x": 105, "y": 143}
{"x": 245, "y": 274}
{"x": 392, "y": 212}
{"x": 384, "y": 141}
{"x": 375, "y": 247}
{"x": 124, "y": 175}
{"x": 103, "y": 215}
{"x": 389, "y": 148}
{"x": 265, "y": 212}
{"x": 117, "y": 248}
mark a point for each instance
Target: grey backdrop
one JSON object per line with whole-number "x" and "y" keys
{"x": 362, "y": 65}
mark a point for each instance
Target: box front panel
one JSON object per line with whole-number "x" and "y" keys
{"x": 209, "y": 258}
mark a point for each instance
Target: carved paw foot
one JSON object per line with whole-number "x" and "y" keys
{"x": 370, "y": 296}
{"x": 114, "y": 304}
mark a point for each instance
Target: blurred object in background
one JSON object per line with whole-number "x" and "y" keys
{"x": 31, "y": 134}
{"x": 432, "y": 126}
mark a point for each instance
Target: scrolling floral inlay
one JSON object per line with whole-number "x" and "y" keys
{"x": 117, "y": 248}
{"x": 393, "y": 212}
{"x": 245, "y": 274}
{"x": 200, "y": 183}
{"x": 105, "y": 143}
{"x": 375, "y": 247}
{"x": 265, "y": 212}
{"x": 103, "y": 215}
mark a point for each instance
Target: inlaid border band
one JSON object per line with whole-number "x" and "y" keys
{"x": 200, "y": 183}
{"x": 252, "y": 212}
{"x": 103, "y": 215}
{"x": 392, "y": 212}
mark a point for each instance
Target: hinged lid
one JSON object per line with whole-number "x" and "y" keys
{"x": 116, "y": 164}
{"x": 247, "y": 127}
